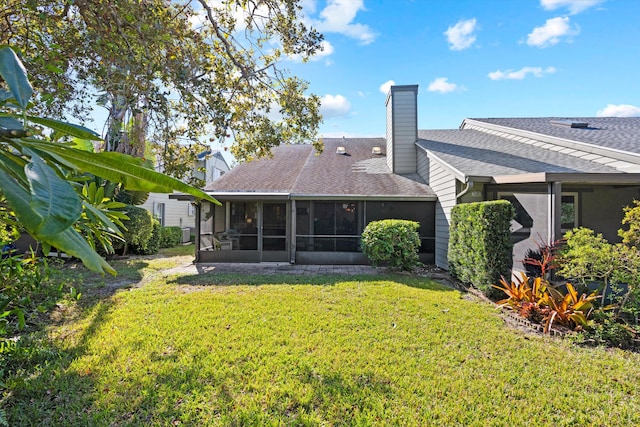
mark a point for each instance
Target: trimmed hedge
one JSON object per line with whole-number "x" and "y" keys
{"x": 392, "y": 241}
{"x": 170, "y": 237}
{"x": 480, "y": 248}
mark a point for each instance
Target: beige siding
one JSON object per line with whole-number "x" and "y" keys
{"x": 444, "y": 185}
{"x": 176, "y": 212}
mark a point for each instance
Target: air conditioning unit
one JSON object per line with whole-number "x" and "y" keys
{"x": 186, "y": 235}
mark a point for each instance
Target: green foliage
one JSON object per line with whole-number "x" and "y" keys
{"x": 392, "y": 241}
{"x": 606, "y": 330}
{"x": 170, "y": 237}
{"x": 20, "y": 282}
{"x": 586, "y": 257}
{"x": 101, "y": 219}
{"x": 139, "y": 229}
{"x": 222, "y": 77}
{"x": 631, "y": 237}
{"x": 8, "y": 227}
{"x": 480, "y": 249}
{"x": 614, "y": 268}
{"x": 34, "y": 166}
{"x": 153, "y": 244}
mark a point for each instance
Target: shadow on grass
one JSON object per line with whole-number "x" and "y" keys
{"x": 239, "y": 279}
{"x": 40, "y": 389}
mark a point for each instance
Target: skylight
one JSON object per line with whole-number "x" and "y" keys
{"x": 570, "y": 123}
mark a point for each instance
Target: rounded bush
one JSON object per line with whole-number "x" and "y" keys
{"x": 394, "y": 242}
{"x": 138, "y": 232}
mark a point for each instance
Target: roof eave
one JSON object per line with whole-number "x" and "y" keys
{"x": 570, "y": 178}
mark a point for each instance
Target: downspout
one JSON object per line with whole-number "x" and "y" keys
{"x": 468, "y": 188}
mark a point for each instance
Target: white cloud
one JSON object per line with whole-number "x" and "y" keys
{"x": 338, "y": 16}
{"x": 620, "y": 110}
{"x": 332, "y": 106}
{"x": 551, "y": 32}
{"x": 327, "y": 50}
{"x": 442, "y": 85}
{"x": 574, "y": 6}
{"x": 521, "y": 73}
{"x": 461, "y": 36}
{"x": 386, "y": 86}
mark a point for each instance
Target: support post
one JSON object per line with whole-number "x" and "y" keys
{"x": 555, "y": 212}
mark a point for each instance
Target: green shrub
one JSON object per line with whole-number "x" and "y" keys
{"x": 586, "y": 257}
{"x": 170, "y": 237}
{"x": 480, "y": 248}
{"x": 21, "y": 281}
{"x": 139, "y": 230}
{"x": 153, "y": 244}
{"x": 392, "y": 241}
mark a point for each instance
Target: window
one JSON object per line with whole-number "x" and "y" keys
{"x": 569, "y": 214}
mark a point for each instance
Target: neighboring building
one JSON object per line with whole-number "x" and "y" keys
{"x": 208, "y": 166}
{"x": 305, "y": 207}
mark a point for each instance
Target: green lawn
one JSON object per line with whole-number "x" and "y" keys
{"x": 281, "y": 350}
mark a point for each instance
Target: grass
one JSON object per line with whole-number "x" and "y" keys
{"x": 323, "y": 350}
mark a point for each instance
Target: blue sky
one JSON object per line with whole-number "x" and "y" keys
{"x": 473, "y": 58}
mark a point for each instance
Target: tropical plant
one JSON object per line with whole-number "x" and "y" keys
{"x": 541, "y": 261}
{"x": 520, "y": 290}
{"x": 102, "y": 218}
{"x": 537, "y": 300}
{"x": 34, "y": 164}
{"x": 568, "y": 309}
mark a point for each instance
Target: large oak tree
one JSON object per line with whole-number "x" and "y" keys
{"x": 168, "y": 70}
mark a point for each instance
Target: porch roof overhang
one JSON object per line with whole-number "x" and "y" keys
{"x": 248, "y": 195}
{"x": 364, "y": 197}
{"x": 570, "y": 178}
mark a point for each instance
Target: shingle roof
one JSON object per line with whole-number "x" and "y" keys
{"x": 618, "y": 133}
{"x": 299, "y": 170}
{"x": 265, "y": 175}
{"x": 476, "y": 153}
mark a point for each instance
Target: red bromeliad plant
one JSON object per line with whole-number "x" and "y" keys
{"x": 568, "y": 309}
{"x": 544, "y": 259}
{"x": 537, "y": 300}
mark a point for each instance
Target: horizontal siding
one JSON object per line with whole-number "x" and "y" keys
{"x": 404, "y": 131}
{"x": 423, "y": 165}
{"x": 176, "y": 212}
{"x": 390, "y": 134}
{"x": 444, "y": 185}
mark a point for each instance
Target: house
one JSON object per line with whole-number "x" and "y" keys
{"x": 170, "y": 211}
{"x": 305, "y": 207}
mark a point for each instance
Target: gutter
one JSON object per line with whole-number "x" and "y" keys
{"x": 468, "y": 188}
